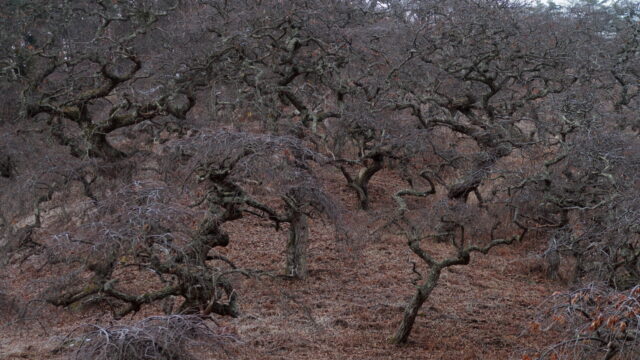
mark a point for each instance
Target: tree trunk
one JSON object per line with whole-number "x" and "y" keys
{"x": 363, "y": 178}
{"x": 361, "y": 182}
{"x": 297, "y": 246}
{"x": 411, "y": 311}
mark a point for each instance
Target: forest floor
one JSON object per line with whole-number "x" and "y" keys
{"x": 349, "y": 305}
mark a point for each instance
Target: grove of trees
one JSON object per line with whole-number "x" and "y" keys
{"x": 134, "y": 134}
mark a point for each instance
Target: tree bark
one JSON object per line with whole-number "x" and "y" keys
{"x": 411, "y": 311}
{"x": 297, "y": 246}
{"x": 361, "y": 181}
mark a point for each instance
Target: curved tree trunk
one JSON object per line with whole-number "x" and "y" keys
{"x": 361, "y": 182}
{"x": 411, "y": 311}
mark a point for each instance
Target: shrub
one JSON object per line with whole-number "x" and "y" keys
{"x": 174, "y": 337}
